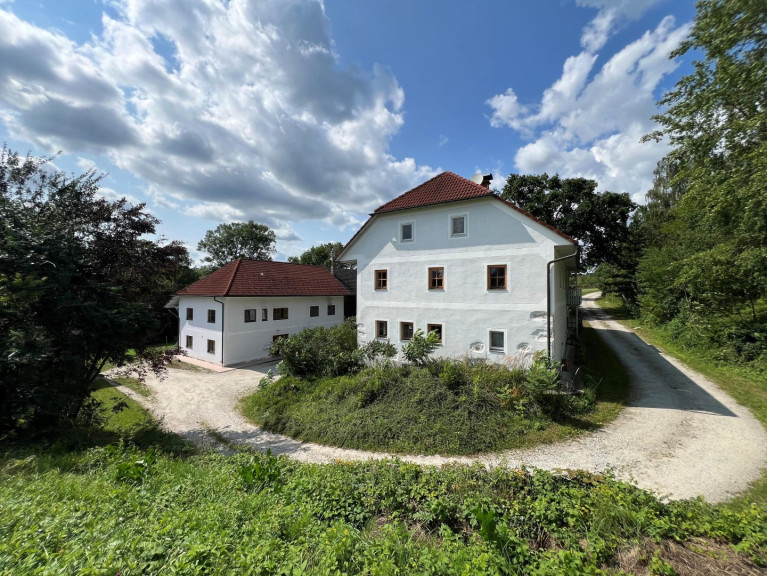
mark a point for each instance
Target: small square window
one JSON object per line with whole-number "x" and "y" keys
{"x": 264, "y": 314}
{"x": 314, "y": 311}
{"x": 382, "y": 329}
{"x": 496, "y": 277}
{"x": 405, "y": 330}
{"x": 406, "y": 232}
{"x": 436, "y": 278}
{"x": 190, "y": 313}
{"x": 211, "y": 346}
{"x": 212, "y": 316}
{"x": 189, "y": 342}
{"x": 280, "y": 314}
{"x": 457, "y": 226}
{"x": 331, "y": 309}
{"x": 382, "y": 279}
{"x": 250, "y": 315}
{"x": 437, "y": 329}
{"x": 497, "y": 341}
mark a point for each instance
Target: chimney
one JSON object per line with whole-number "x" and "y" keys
{"x": 483, "y": 181}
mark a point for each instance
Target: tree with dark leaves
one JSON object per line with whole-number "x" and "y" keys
{"x": 79, "y": 286}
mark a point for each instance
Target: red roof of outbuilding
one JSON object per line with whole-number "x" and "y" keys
{"x": 264, "y": 278}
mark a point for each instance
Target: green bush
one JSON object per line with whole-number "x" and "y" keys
{"x": 317, "y": 352}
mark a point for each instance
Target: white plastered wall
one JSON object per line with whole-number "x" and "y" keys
{"x": 245, "y": 341}
{"x": 467, "y": 310}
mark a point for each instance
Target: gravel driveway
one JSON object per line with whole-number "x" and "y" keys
{"x": 679, "y": 436}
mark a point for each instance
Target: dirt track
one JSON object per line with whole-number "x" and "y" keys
{"x": 680, "y": 436}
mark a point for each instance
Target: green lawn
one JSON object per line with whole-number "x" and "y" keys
{"x": 746, "y": 385}
{"x": 418, "y": 411}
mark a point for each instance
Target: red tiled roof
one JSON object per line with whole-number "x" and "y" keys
{"x": 446, "y": 187}
{"x": 443, "y": 188}
{"x": 263, "y": 278}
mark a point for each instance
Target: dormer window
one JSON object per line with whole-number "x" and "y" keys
{"x": 406, "y": 231}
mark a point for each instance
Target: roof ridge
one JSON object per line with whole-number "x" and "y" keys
{"x": 234, "y": 274}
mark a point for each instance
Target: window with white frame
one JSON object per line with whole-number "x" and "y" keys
{"x": 458, "y": 226}
{"x": 407, "y": 231}
{"x": 211, "y": 346}
{"x": 497, "y": 341}
{"x": 189, "y": 342}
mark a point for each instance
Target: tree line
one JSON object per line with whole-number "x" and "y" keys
{"x": 693, "y": 258}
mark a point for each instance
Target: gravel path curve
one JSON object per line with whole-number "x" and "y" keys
{"x": 679, "y": 436}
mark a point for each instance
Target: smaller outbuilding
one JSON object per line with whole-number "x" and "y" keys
{"x": 233, "y": 315}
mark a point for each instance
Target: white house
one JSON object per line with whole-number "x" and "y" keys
{"x": 451, "y": 256}
{"x": 234, "y": 314}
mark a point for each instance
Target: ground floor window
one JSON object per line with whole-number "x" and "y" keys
{"x": 382, "y": 329}
{"x": 314, "y": 311}
{"x": 331, "y": 309}
{"x": 211, "y": 346}
{"x": 189, "y": 342}
{"x": 497, "y": 341}
{"x": 437, "y": 329}
{"x": 280, "y": 314}
{"x": 250, "y": 315}
{"x": 405, "y": 330}
{"x": 264, "y": 314}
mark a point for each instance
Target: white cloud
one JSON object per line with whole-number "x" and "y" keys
{"x": 590, "y": 121}
{"x": 250, "y": 115}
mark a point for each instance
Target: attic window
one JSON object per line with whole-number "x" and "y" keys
{"x": 314, "y": 311}
{"x": 406, "y": 232}
{"x": 190, "y": 313}
{"x": 211, "y": 316}
{"x": 458, "y": 226}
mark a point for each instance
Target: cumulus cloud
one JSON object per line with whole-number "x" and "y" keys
{"x": 228, "y": 111}
{"x": 590, "y": 120}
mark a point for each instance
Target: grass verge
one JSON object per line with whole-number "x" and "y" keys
{"x": 414, "y": 411}
{"x": 747, "y": 386}
{"x": 122, "y": 510}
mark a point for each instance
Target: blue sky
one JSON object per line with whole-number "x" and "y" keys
{"x": 306, "y": 116}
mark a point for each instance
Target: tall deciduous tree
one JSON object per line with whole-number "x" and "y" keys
{"x": 599, "y": 221}
{"x": 321, "y": 255}
{"x": 237, "y": 240}
{"x": 79, "y": 286}
{"x": 716, "y": 118}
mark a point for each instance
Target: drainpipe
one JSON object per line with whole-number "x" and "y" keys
{"x": 548, "y": 296}
{"x": 222, "y": 328}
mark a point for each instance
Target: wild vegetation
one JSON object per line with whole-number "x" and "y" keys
{"x": 123, "y": 510}
{"x": 695, "y": 264}
{"x": 334, "y": 393}
{"x": 81, "y": 285}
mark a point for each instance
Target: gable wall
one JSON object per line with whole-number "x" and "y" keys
{"x": 496, "y": 235}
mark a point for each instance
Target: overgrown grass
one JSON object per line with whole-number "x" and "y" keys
{"x": 444, "y": 408}
{"x": 746, "y": 384}
{"x": 120, "y": 510}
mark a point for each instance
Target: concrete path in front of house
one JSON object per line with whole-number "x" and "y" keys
{"x": 679, "y": 436}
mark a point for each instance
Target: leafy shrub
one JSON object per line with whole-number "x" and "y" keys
{"x": 420, "y": 347}
{"x": 263, "y": 471}
{"x": 317, "y": 352}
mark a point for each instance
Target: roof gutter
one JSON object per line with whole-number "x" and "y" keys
{"x": 549, "y": 264}
{"x": 223, "y": 318}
